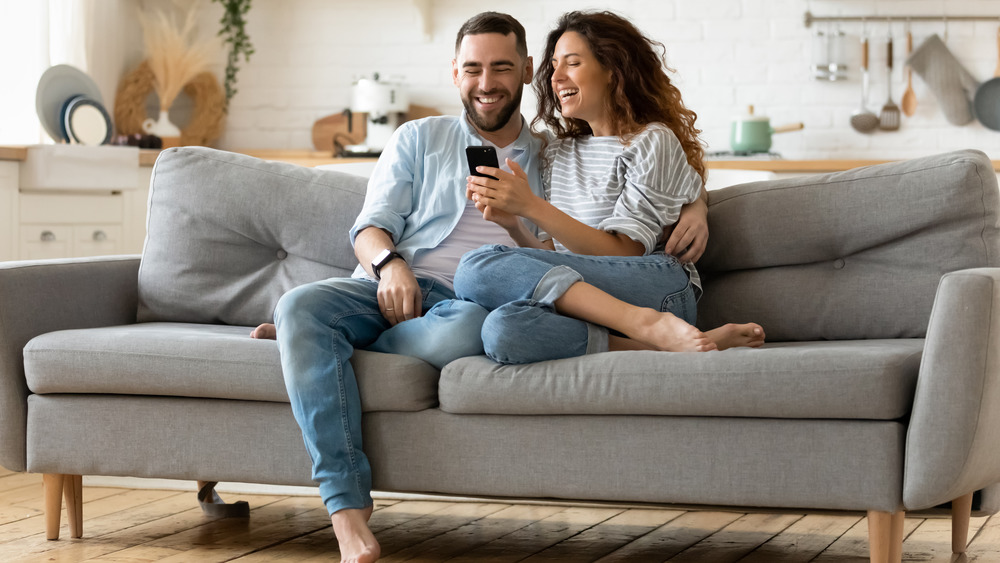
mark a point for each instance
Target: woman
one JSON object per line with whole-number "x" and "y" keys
{"x": 626, "y": 157}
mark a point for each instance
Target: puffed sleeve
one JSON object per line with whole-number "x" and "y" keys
{"x": 389, "y": 199}
{"x": 657, "y": 181}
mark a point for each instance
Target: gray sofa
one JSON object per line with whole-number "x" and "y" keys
{"x": 878, "y": 391}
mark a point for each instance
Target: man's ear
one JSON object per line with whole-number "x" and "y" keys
{"x": 529, "y": 70}
{"x": 454, "y": 72}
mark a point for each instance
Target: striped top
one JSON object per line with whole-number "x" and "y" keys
{"x": 636, "y": 189}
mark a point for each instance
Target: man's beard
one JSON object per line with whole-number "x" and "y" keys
{"x": 503, "y": 116}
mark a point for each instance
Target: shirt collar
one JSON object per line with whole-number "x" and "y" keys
{"x": 523, "y": 142}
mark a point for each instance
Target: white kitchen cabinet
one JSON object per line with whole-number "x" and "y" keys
{"x": 68, "y": 201}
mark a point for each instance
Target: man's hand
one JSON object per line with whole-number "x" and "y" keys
{"x": 506, "y": 220}
{"x": 689, "y": 236}
{"x": 399, "y": 296}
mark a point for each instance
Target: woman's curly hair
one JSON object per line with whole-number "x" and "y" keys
{"x": 640, "y": 90}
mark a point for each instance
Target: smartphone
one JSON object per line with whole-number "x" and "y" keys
{"x": 481, "y": 156}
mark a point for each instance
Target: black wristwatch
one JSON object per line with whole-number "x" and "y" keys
{"x": 383, "y": 258}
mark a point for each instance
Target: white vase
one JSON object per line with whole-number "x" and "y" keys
{"x": 163, "y": 129}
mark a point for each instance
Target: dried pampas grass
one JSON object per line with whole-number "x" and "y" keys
{"x": 173, "y": 56}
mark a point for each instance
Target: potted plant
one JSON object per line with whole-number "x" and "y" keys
{"x": 233, "y": 32}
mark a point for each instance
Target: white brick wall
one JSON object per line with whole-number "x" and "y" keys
{"x": 727, "y": 54}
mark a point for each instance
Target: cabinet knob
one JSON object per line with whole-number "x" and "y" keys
{"x": 100, "y": 236}
{"x": 48, "y": 236}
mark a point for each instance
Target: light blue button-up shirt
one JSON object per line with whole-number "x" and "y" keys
{"x": 417, "y": 190}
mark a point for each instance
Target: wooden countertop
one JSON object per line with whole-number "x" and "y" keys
{"x": 13, "y": 153}
{"x": 314, "y": 158}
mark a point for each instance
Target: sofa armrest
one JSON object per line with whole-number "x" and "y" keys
{"x": 953, "y": 441}
{"x": 43, "y": 296}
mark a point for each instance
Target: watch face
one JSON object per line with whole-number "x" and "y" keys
{"x": 381, "y": 257}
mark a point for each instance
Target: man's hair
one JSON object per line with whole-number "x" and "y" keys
{"x": 494, "y": 22}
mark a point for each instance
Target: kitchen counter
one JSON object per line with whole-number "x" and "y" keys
{"x": 13, "y": 153}
{"x": 315, "y": 158}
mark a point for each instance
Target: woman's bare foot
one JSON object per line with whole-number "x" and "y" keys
{"x": 621, "y": 343}
{"x": 357, "y": 542}
{"x": 734, "y": 335}
{"x": 266, "y": 331}
{"x": 668, "y": 333}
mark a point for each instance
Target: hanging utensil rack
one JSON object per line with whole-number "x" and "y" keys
{"x": 811, "y": 19}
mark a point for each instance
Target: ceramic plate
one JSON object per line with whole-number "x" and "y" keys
{"x": 56, "y": 86}
{"x": 86, "y": 122}
{"x": 987, "y": 104}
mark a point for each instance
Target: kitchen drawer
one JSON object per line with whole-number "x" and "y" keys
{"x": 97, "y": 240}
{"x": 46, "y": 241}
{"x": 99, "y": 208}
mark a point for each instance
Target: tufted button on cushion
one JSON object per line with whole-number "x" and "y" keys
{"x": 218, "y": 220}
{"x": 902, "y": 224}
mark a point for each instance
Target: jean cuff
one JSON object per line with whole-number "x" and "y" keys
{"x": 337, "y": 500}
{"x": 554, "y": 284}
{"x": 597, "y": 339}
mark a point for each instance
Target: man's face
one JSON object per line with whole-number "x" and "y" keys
{"x": 490, "y": 76}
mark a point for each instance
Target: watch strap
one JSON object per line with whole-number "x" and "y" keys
{"x": 377, "y": 267}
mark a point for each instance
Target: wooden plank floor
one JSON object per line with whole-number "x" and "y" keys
{"x": 128, "y": 525}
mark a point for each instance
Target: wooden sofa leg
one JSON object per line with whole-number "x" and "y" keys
{"x": 73, "y": 489}
{"x": 961, "y": 512}
{"x": 885, "y": 536}
{"x": 52, "y": 484}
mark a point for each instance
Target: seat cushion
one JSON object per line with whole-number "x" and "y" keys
{"x": 872, "y": 379}
{"x": 208, "y": 361}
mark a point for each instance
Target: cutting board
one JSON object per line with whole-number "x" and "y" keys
{"x": 335, "y": 126}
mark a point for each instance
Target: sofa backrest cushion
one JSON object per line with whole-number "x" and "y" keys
{"x": 849, "y": 255}
{"x": 228, "y": 234}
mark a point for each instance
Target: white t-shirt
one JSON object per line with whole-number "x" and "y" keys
{"x": 471, "y": 232}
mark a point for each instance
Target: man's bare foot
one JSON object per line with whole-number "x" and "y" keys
{"x": 669, "y": 333}
{"x": 734, "y": 335}
{"x": 357, "y": 542}
{"x": 266, "y": 331}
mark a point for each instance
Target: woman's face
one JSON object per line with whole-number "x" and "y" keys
{"x": 580, "y": 83}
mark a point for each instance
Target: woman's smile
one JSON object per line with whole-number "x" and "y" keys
{"x": 580, "y": 82}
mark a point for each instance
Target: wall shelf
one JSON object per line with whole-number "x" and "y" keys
{"x": 810, "y": 19}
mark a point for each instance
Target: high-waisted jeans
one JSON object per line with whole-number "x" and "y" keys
{"x": 319, "y": 326}
{"x": 520, "y": 286}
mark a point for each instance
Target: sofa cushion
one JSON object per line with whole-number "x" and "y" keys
{"x": 842, "y": 380}
{"x": 208, "y": 361}
{"x": 850, "y": 255}
{"x": 228, "y": 234}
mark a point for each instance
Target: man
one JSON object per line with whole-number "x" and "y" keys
{"x": 414, "y": 228}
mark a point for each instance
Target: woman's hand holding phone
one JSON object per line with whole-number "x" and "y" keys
{"x": 509, "y": 193}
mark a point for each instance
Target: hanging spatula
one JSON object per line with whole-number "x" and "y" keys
{"x": 888, "y": 118}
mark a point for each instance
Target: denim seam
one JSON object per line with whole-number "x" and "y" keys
{"x": 345, "y": 416}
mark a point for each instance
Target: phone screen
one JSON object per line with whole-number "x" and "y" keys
{"x": 481, "y": 156}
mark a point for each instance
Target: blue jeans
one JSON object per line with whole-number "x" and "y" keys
{"x": 520, "y": 286}
{"x": 319, "y": 326}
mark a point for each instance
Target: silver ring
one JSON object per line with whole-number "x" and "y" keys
{"x": 388, "y": 308}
